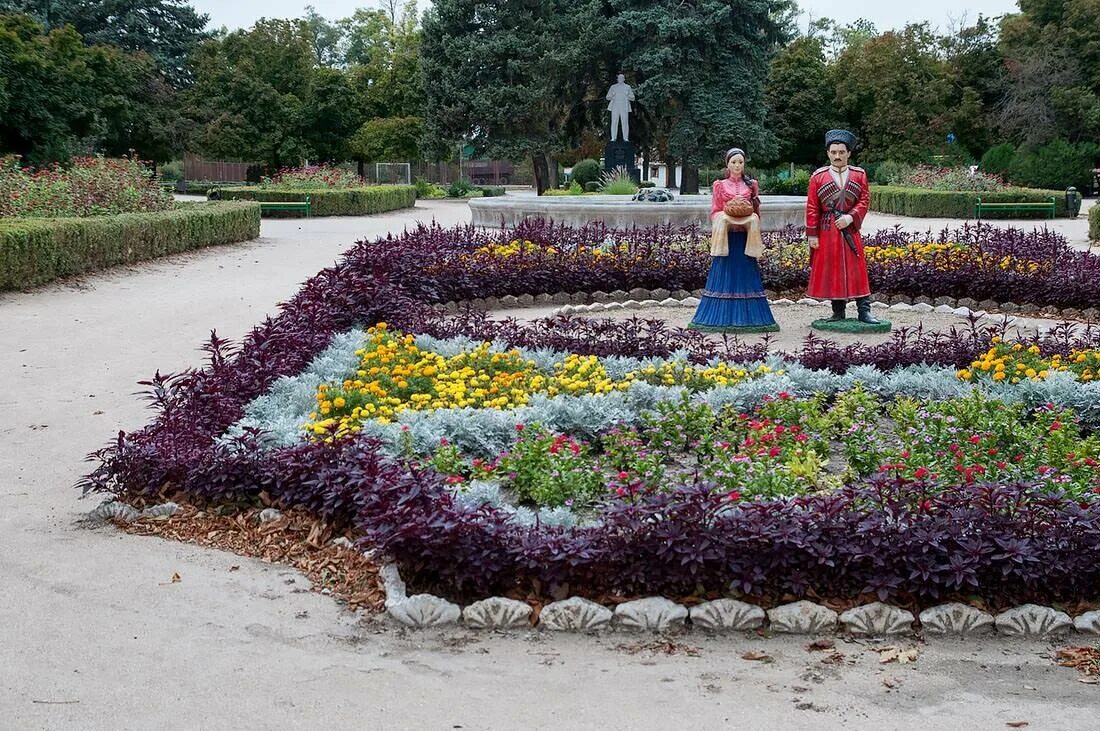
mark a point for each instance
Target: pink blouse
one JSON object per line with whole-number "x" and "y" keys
{"x": 727, "y": 189}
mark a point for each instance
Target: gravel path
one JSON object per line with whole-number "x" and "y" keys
{"x": 96, "y": 635}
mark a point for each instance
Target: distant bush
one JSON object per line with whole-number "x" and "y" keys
{"x": 926, "y": 203}
{"x": 37, "y": 250}
{"x": 459, "y": 189}
{"x": 888, "y": 172}
{"x": 428, "y": 191}
{"x": 585, "y": 172}
{"x": 313, "y": 177}
{"x": 1056, "y": 165}
{"x": 950, "y": 179}
{"x": 998, "y": 159}
{"x": 89, "y": 186}
{"x": 336, "y": 202}
{"x": 491, "y": 191}
{"x": 1094, "y": 222}
{"x": 776, "y": 185}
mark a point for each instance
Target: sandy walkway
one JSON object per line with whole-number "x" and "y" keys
{"x": 95, "y": 636}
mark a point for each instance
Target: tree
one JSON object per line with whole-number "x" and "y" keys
{"x": 166, "y": 30}
{"x": 501, "y": 74}
{"x": 1052, "y": 54}
{"x": 391, "y": 138}
{"x": 701, "y": 70}
{"x": 383, "y": 56}
{"x": 330, "y": 115}
{"x": 801, "y": 99}
{"x": 895, "y": 93}
{"x": 250, "y": 91}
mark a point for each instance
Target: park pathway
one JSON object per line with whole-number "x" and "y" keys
{"x": 95, "y": 635}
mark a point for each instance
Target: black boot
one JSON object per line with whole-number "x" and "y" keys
{"x": 838, "y": 310}
{"x": 863, "y": 307}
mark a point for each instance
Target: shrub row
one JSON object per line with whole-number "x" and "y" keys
{"x": 922, "y": 203}
{"x": 37, "y": 250}
{"x": 334, "y": 202}
{"x": 1094, "y": 222}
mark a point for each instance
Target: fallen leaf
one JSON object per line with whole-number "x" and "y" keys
{"x": 1089, "y": 680}
{"x": 234, "y": 568}
{"x": 176, "y": 578}
{"x": 756, "y": 655}
{"x": 890, "y": 682}
{"x": 902, "y": 657}
{"x": 1017, "y": 724}
{"x": 822, "y": 644}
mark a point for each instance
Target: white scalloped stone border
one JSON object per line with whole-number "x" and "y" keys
{"x": 963, "y": 313}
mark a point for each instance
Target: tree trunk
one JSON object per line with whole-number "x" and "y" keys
{"x": 362, "y": 169}
{"x": 671, "y": 182}
{"x": 690, "y": 183}
{"x": 552, "y": 167}
{"x": 538, "y": 161}
{"x": 645, "y": 164}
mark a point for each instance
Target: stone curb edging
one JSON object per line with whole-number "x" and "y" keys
{"x": 579, "y": 302}
{"x": 658, "y": 614}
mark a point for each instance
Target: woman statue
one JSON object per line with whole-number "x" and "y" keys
{"x": 734, "y": 300}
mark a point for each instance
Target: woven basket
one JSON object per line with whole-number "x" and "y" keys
{"x": 738, "y": 208}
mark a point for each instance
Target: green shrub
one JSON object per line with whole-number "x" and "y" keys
{"x": 459, "y": 189}
{"x": 888, "y": 172}
{"x": 37, "y": 250}
{"x": 925, "y": 203}
{"x": 1094, "y": 222}
{"x": 171, "y": 172}
{"x": 335, "y": 202}
{"x": 775, "y": 185}
{"x": 1056, "y": 165}
{"x": 592, "y": 186}
{"x": 618, "y": 182}
{"x": 997, "y": 159}
{"x": 647, "y": 184}
{"x": 491, "y": 191}
{"x": 585, "y": 172}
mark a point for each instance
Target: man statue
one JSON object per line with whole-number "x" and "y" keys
{"x": 619, "y": 97}
{"x": 837, "y": 201}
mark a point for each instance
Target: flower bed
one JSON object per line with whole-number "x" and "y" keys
{"x": 328, "y": 202}
{"x": 90, "y": 186}
{"x": 37, "y": 250}
{"x": 659, "y": 464}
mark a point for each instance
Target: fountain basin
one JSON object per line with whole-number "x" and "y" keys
{"x": 617, "y": 211}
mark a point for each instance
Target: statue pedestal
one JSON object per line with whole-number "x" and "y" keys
{"x": 621, "y": 153}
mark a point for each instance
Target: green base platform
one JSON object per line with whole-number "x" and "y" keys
{"x": 850, "y": 326}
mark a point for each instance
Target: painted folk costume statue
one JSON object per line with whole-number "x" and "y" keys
{"x": 837, "y": 201}
{"x": 733, "y": 300}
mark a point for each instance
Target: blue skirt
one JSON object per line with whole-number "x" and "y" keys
{"x": 734, "y": 300}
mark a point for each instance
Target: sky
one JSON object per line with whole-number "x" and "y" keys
{"x": 885, "y": 14}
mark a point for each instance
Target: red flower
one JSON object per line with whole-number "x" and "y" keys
{"x": 624, "y": 476}
{"x": 974, "y": 439}
{"x": 455, "y": 479}
{"x": 1056, "y": 426}
{"x": 519, "y": 427}
{"x": 926, "y": 505}
{"x": 905, "y": 454}
{"x": 774, "y": 452}
{"x": 734, "y": 496}
{"x": 920, "y": 473}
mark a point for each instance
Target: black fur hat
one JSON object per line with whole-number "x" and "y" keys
{"x": 842, "y": 136}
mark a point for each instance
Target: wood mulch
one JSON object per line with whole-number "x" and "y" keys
{"x": 295, "y": 539}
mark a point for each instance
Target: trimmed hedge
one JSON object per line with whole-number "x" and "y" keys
{"x": 491, "y": 191}
{"x": 923, "y": 203}
{"x": 331, "y": 202}
{"x": 36, "y": 250}
{"x": 1094, "y": 222}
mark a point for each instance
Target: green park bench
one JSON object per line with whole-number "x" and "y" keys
{"x": 303, "y": 206}
{"x": 979, "y": 207}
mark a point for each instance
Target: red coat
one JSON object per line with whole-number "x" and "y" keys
{"x": 835, "y": 271}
